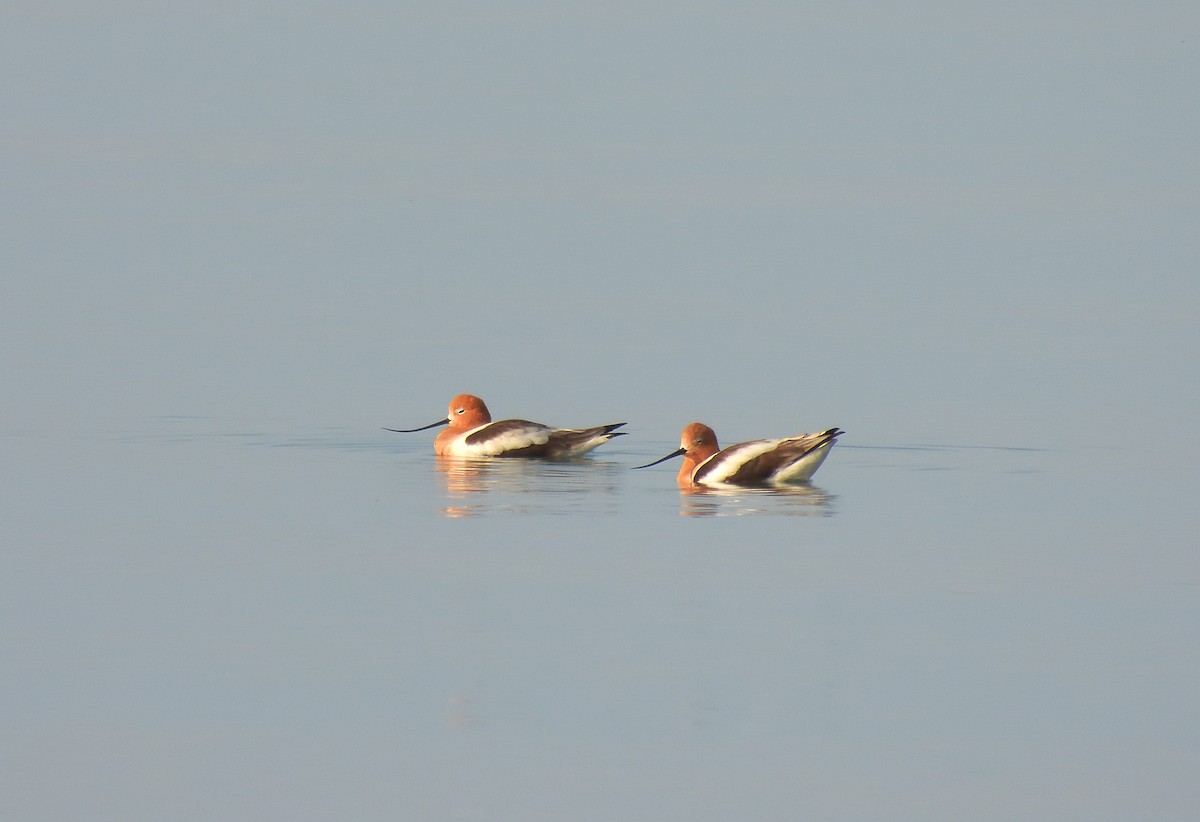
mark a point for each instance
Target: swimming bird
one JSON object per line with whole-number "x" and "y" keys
{"x": 754, "y": 463}
{"x": 473, "y": 434}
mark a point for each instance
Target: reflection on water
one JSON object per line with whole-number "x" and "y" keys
{"x": 481, "y": 486}
{"x": 804, "y": 500}
{"x": 477, "y": 487}
{"x": 595, "y": 484}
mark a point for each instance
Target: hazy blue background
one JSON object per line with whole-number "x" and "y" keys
{"x": 239, "y": 237}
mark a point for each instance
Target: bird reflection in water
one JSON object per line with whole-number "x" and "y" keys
{"x": 475, "y": 487}
{"x": 463, "y": 478}
{"x": 478, "y": 487}
{"x": 799, "y": 500}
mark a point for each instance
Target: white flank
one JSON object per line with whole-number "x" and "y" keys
{"x": 803, "y": 468}
{"x": 580, "y": 448}
{"x": 510, "y": 440}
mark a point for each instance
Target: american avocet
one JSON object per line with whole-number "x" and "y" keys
{"x": 473, "y": 434}
{"x": 758, "y": 462}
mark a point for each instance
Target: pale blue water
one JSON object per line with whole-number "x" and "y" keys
{"x": 214, "y": 618}
{"x": 237, "y": 241}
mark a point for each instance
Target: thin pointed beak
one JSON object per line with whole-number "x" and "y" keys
{"x": 422, "y": 428}
{"x": 671, "y": 455}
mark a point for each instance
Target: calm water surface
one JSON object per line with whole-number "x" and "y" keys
{"x": 239, "y": 238}
{"x": 209, "y": 615}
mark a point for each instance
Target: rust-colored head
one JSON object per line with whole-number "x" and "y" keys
{"x": 698, "y": 442}
{"x": 468, "y": 411}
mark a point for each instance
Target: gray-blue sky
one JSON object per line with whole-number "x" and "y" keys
{"x": 938, "y": 220}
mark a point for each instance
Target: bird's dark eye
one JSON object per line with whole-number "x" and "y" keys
{"x": 460, "y": 410}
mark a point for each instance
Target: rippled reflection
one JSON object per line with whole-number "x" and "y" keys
{"x": 481, "y": 486}
{"x": 803, "y": 500}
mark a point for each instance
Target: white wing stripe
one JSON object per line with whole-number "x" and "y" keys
{"x": 726, "y": 463}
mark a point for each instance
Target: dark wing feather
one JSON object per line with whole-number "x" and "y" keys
{"x": 503, "y": 428}
{"x": 763, "y": 467}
